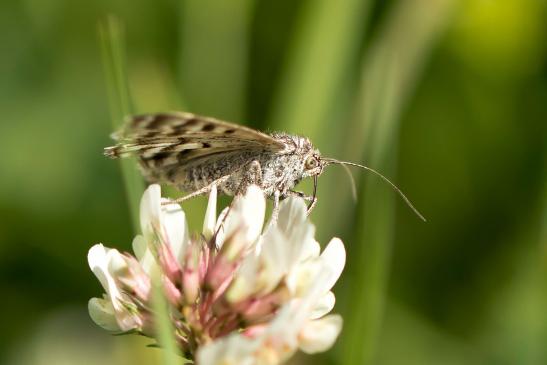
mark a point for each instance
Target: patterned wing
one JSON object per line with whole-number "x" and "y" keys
{"x": 154, "y": 133}
{"x": 184, "y": 139}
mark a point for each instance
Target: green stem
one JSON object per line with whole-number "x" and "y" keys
{"x": 112, "y": 42}
{"x": 113, "y": 53}
{"x": 164, "y": 328}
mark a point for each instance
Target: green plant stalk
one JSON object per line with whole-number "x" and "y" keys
{"x": 112, "y": 42}
{"x": 113, "y": 54}
{"x": 542, "y": 354}
{"x": 543, "y": 225}
{"x": 389, "y": 73}
{"x": 164, "y": 328}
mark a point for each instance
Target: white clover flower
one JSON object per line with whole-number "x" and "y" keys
{"x": 236, "y": 295}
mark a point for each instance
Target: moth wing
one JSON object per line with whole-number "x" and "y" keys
{"x": 176, "y": 132}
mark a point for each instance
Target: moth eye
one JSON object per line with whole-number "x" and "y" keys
{"x": 311, "y": 163}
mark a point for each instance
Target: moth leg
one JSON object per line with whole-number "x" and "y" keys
{"x": 252, "y": 176}
{"x": 275, "y": 210}
{"x": 204, "y": 190}
{"x": 309, "y": 198}
{"x": 312, "y": 205}
{"x": 300, "y": 194}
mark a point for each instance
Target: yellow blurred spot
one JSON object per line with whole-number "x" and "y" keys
{"x": 500, "y": 36}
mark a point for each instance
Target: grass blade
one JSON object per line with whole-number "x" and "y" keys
{"x": 164, "y": 328}
{"x": 113, "y": 53}
{"x": 112, "y": 42}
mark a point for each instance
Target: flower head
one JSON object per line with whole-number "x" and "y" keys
{"x": 236, "y": 294}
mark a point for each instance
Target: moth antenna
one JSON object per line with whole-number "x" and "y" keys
{"x": 352, "y": 182}
{"x": 393, "y": 186}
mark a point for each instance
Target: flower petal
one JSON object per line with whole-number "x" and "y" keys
{"x": 220, "y": 227}
{"x": 272, "y": 252}
{"x": 139, "y": 246}
{"x": 243, "y": 223}
{"x": 231, "y": 350}
{"x": 244, "y": 283}
{"x": 319, "y": 335}
{"x": 146, "y": 259}
{"x": 116, "y": 263}
{"x": 247, "y": 211}
{"x": 210, "y": 221}
{"x": 297, "y": 230}
{"x": 167, "y": 221}
{"x": 304, "y": 277}
{"x": 99, "y": 259}
{"x": 292, "y": 213}
{"x": 252, "y": 210}
{"x": 310, "y": 249}
{"x": 96, "y": 258}
{"x": 323, "y": 306}
{"x": 174, "y": 229}
{"x": 102, "y": 313}
{"x": 333, "y": 259}
{"x": 150, "y": 210}
{"x": 106, "y": 264}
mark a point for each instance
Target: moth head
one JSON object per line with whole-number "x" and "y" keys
{"x": 313, "y": 164}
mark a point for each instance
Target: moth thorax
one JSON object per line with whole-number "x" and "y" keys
{"x": 294, "y": 144}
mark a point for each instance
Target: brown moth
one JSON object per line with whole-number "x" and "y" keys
{"x": 195, "y": 153}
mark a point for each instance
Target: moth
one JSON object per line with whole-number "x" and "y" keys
{"x": 196, "y": 153}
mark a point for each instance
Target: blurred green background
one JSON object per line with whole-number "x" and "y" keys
{"x": 447, "y": 98}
